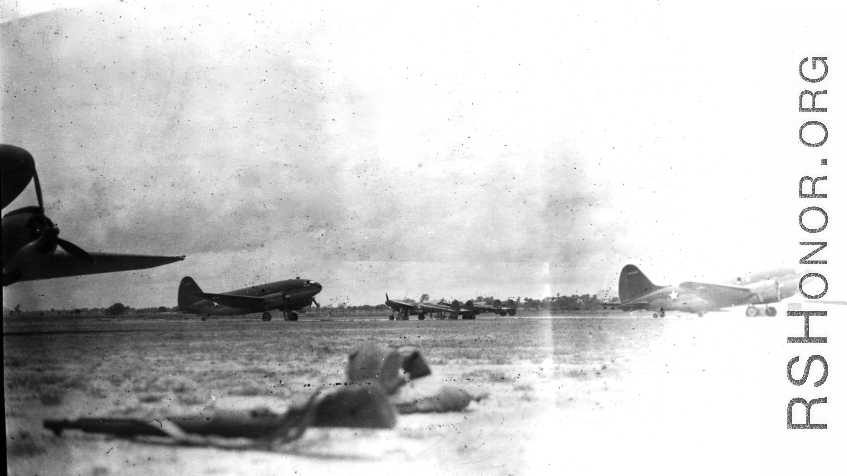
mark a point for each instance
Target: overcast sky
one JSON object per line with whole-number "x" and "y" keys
{"x": 458, "y": 151}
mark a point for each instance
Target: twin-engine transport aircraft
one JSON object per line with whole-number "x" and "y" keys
{"x": 638, "y": 293}
{"x": 32, "y": 248}
{"x": 287, "y": 296}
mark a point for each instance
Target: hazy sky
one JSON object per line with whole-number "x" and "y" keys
{"x": 454, "y": 151}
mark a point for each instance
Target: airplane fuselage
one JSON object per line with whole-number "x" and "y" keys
{"x": 674, "y": 298}
{"x": 679, "y": 298}
{"x": 287, "y": 295}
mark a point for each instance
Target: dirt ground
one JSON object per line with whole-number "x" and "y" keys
{"x": 582, "y": 395}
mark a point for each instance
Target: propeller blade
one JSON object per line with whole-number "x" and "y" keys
{"x": 37, "y": 189}
{"x": 75, "y": 251}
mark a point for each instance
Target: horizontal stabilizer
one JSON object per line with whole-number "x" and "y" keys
{"x": 636, "y": 306}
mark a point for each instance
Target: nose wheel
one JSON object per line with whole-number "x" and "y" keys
{"x": 266, "y": 316}
{"x": 752, "y": 311}
{"x": 770, "y": 311}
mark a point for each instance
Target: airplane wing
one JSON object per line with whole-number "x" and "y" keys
{"x": 432, "y": 307}
{"x": 233, "y": 300}
{"x": 718, "y": 292}
{"x": 399, "y": 304}
{"x": 60, "y": 264}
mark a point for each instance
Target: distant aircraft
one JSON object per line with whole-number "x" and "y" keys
{"x": 453, "y": 310}
{"x": 497, "y": 307}
{"x": 638, "y": 293}
{"x": 32, "y": 248}
{"x": 287, "y": 296}
{"x": 404, "y": 307}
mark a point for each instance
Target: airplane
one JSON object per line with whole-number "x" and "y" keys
{"x": 288, "y": 296}
{"x": 453, "y": 310}
{"x": 406, "y": 307}
{"x": 32, "y": 248}
{"x": 497, "y": 307}
{"x": 637, "y": 292}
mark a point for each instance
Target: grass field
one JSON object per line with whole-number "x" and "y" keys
{"x": 561, "y": 390}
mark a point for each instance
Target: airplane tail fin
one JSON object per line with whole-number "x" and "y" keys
{"x": 189, "y": 293}
{"x": 634, "y": 284}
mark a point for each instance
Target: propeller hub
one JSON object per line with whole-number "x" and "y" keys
{"x": 43, "y": 229}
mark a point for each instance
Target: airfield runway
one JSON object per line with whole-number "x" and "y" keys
{"x": 578, "y": 394}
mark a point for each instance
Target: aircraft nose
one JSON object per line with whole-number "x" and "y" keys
{"x": 317, "y": 286}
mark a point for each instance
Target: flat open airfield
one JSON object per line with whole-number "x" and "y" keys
{"x": 580, "y": 394}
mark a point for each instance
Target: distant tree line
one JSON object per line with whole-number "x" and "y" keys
{"x": 558, "y": 302}
{"x": 552, "y": 303}
{"x": 563, "y": 303}
{"x": 115, "y": 309}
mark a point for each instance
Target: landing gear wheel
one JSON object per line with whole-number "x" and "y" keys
{"x": 266, "y": 316}
{"x": 655, "y": 315}
{"x": 292, "y": 316}
{"x": 699, "y": 314}
{"x": 391, "y": 317}
{"x": 752, "y": 311}
{"x": 662, "y": 314}
{"x": 202, "y": 318}
{"x": 770, "y": 311}
{"x": 421, "y": 316}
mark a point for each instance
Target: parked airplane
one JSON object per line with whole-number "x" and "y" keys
{"x": 32, "y": 248}
{"x": 288, "y": 296}
{"x": 497, "y": 308}
{"x": 453, "y": 310}
{"x": 637, "y": 292}
{"x": 407, "y": 307}
{"x": 404, "y": 308}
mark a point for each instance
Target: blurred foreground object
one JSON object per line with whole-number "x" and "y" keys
{"x": 393, "y": 367}
{"x": 364, "y": 405}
